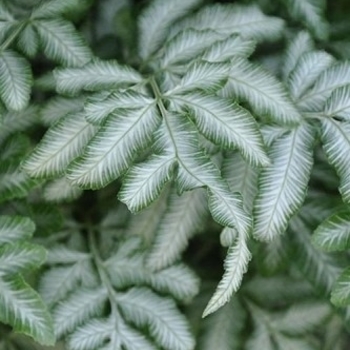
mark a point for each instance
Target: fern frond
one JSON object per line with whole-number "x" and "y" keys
{"x": 62, "y": 43}
{"x": 166, "y": 324}
{"x": 248, "y": 21}
{"x": 311, "y": 14}
{"x": 61, "y": 190}
{"x": 28, "y": 41}
{"x": 340, "y": 295}
{"x": 182, "y": 219}
{"x": 64, "y": 141}
{"x": 236, "y": 264}
{"x": 226, "y": 124}
{"x": 227, "y": 49}
{"x": 156, "y": 20}
{"x": 95, "y": 76}
{"x": 20, "y": 306}
{"x": 114, "y": 147}
{"x": 299, "y": 45}
{"x": 309, "y": 67}
{"x": 15, "y": 80}
{"x": 338, "y": 104}
{"x": 334, "y": 77}
{"x": 336, "y": 144}
{"x": 265, "y": 94}
{"x": 334, "y": 233}
{"x": 282, "y": 186}
{"x": 52, "y": 8}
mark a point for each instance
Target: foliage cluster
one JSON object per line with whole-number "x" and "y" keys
{"x": 143, "y": 144}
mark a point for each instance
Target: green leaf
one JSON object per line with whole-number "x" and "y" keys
{"x": 283, "y": 185}
{"x": 13, "y": 182}
{"x": 156, "y": 20}
{"x": 227, "y": 124}
{"x": 61, "y": 190}
{"x": 248, "y": 21}
{"x": 334, "y": 233}
{"x": 265, "y": 94}
{"x": 144, "y": 182}
{"x": 241, "y": 177}
{"x": 64, "y": 141}
{"x": 299, "y": 45}
{"x": 309, "y": 67}
{"x": 62, "y": 43}
{"x": 338, "y": 104}
{"x": 20, "y": 257}
{"x": 203, "y": 75}
{"x": 336, "y": 144}
{"x": 144, "y": 308}
{"x": 14, "y": 147}
{"x": 99, "y": 106}
{"x": 186, "y": 46}
{"x": 117, "y": 143}
{"x": 95, "y": 76}
{"x": 311, "y": 14}
{"x": 334, "y": 77}
{"x": 236, "y": 264}
{"x": 15, "y": 228}
{"x": 22, "y": 308}
{"x": 81, "y": 305}
{"x": 182, "y": 219}
{"x": 28, "y": 41}
{"x": 341, "y": 291}
{"x": 15, "y": 80}
{"x": 52, "y": 8}
{"x": 227, "y": 49}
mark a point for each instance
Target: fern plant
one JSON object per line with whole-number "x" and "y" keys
{"x": 207, "y": 126}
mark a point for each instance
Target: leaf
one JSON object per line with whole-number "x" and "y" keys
{"x": 60, "y": 190}
{"x": 22, "y": 308}
{"x": 182, "y": 219}
{"x": 114, "y": 147}
{"x": 13, "y": 182}
{"x": 236, "y": 264}
{"x": 81, "y": 305}
{"x": 227, "y": 124}
{"x": 332, "y": 78}
{"x": 334, "y": 233}
{"x": 202, "y": 75}
{"x": 64, "y": 141}
{"x": 156, "y": 20}
{"x": 341, "y": 291}
{"x": 311, "y": 14}
{"x": 248, "y": 21}
{"x": 28, "y": 40}
{"x": 144, "y": 308}
{"x": 319, "y": 268}
{"x": 58, "y": 107}
{"x": 283, "y": 185}
{"x": 52, "y": 8}
{"x": 15, "y": 80}
{"x": 298, "y": 46}
{"x": 62, "y": 43}
{"x": 309, "y": 67}
{"x": 241, "y": 177}
{"x": 95, "y": 76}
{"x": 336, "y": 144}
{"x": 227, "y": 49}
{"x": 14, "y": 147}
{"x": 144, "y": 182}
{"x": 15, "y": 228}
{"x": 99, "y": 106}
{"x": 20, "y": 257}
{"x": 91, "y": 335}
{"x": 338, "y": 105}
{"x": 186, "y": 46}
{"x": 265, "y": 94}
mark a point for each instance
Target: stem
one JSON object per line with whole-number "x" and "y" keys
{"x": 12, "y": 37}
{"x": 103, "y": 274}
